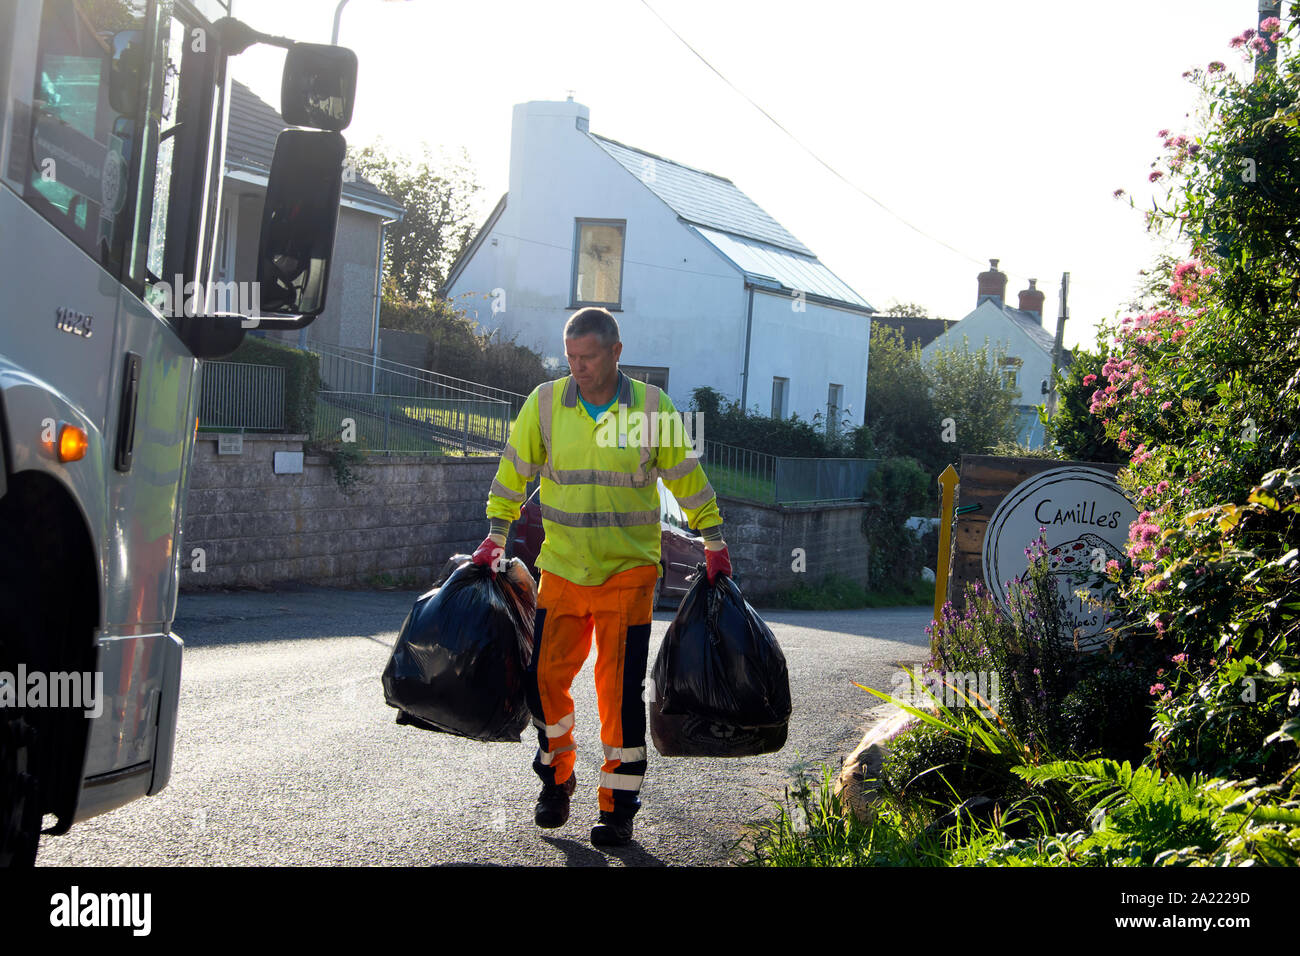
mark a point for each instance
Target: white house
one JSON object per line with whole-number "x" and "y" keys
{"x": 708, "y": 289}
{"x": 1019, "y": 334}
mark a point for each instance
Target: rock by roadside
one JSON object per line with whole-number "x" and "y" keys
{"x": 859, "y": 778}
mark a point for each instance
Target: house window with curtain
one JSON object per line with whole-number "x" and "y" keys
{"x": 780, "y": 391}
{"x": 598, "y": 262}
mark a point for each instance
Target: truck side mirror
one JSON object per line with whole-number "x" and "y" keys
{"x": 319, "y": 86}
{"x": 299, "y": 219}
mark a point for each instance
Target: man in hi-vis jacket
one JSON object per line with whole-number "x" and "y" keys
{"x": 598, "y": 454}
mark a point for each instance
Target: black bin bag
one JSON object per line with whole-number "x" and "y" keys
{"x": 460, "y": 662}
{"x": 720, "y": 685}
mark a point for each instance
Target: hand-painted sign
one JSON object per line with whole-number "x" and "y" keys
{"x": 1084, "y": 519}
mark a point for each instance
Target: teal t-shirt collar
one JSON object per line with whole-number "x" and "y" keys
{"x": 596, "y": 411}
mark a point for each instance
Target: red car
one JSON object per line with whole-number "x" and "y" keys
{"x": 680, "y": 550}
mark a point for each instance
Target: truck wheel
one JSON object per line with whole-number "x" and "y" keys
{"x": 20, "y": 815}
{"x": 35, "y": 618}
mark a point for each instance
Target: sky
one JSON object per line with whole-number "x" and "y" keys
{"x": 994, "y": 130}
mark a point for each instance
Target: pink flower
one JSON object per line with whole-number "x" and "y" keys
{"x": 1236, "y": 42}
{"x": 1164, "y": 406}
{"x": 1154, "y": 176}
{"x": 1112, "y": 565}
{"x": 1147, "y": 568}
{"x": 1159, "y": 584}
{"x": 1162, "y": 486}
{"x": 1117, "y": 193}
{"x": 1156, "y": 689}
{"x": 1216, "y": 66}
{"x": 1270, "y": 24}
{"x": 1259, "y": 45}
{"x": 1089, "y": 379}
{"x": 1162, "y": 133}
{"x": 1179, "y": 658}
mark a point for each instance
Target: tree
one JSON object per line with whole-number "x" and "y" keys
{"x": 438, "y": 223}
{"x": 974, "y": 403}
{"x": 910, "y": 310}
{"x": 900, "y": 413}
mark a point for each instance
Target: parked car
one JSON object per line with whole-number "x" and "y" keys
{"x": 680, "y": 550}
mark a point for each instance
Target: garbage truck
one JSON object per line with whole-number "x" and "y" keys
{"x": 113, "y": 116}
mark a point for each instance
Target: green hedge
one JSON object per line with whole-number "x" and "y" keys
{"x": 726, "y": 422}
{"x": 301, "y": 378}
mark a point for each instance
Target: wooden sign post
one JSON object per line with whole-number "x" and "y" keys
{"x": 947, "y": 499}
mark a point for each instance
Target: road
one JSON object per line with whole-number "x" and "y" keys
{"x": 287, "y": 753}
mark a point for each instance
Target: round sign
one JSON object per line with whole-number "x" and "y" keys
{"x": 112, "y": 183}
{"x": 1084, "y": 519}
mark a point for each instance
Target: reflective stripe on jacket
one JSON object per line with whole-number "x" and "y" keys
{"x": 600, "y": 501}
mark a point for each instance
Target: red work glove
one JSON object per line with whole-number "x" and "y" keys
{"x": 717, "y": 562}
{"x": 491, "y": 554}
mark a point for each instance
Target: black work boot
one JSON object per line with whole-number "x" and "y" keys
{"x": 553, "y": 803}
{"x": 612, "y": 830}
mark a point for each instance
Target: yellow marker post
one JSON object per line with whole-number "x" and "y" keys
{"x": 948, "y": 486}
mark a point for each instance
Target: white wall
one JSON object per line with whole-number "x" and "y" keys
{"x": 812, "y": 348}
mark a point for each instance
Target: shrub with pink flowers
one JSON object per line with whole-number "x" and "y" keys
{"x": 1202, "y": 389}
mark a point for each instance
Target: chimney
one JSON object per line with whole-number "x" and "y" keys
{"x": 543, "y": 138}
{"x": 992, "y": 285}
{"x": 1031, "y": 300}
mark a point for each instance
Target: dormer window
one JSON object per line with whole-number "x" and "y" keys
{"x": 598, "y": 263}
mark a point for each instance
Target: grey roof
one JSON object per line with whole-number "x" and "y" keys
{"x": 734, "y": 224}
{"x": 1026, "y": 320}
{"x": 701, "y": 198}
{"x": 250, "y": 144}
{"x": 792, "y": 271}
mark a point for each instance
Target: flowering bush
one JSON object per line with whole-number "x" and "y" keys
{"x": 1203, "y": 390}
{"x": 1056, "y": 700}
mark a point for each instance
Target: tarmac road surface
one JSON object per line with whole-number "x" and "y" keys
{"x": 287, "y": 753}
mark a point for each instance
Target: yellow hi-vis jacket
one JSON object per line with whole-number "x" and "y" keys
{"x": 599, "y": 496}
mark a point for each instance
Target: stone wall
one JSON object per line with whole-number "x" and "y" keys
{"x": 408, "y": 514}
{"x": 762, "y": 541}
{"x": 258, "y": 529}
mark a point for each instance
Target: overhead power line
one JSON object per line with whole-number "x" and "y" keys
{"x": 835, "y": 172}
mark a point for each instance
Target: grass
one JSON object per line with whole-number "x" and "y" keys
{"x": 402, "y": 436}
{"x": 736, "y": 483}
{"x": 836, "y": 593}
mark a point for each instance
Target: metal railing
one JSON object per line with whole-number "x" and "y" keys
{"x": 758, "y": 476}
{"x": 242, "y": 395}
{"x": 411, "y": 425}
{"x": 345, "y": 369}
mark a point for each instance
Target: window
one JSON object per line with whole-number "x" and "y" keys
{"x": 77, "y": 142}
{"x": 834, "y": 408}
{"x": 598, "y": 262}
{"x": 780, "y": 390}
{"x": 651, "y": 375}
{"x": 1009, "y": 366}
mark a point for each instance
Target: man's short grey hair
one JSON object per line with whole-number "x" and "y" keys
{"x": 593, "y": 321}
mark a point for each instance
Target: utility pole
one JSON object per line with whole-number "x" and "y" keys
{"x": 1058, "y": 346}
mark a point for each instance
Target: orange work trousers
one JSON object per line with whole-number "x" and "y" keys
{"x": 619, "y": 612}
